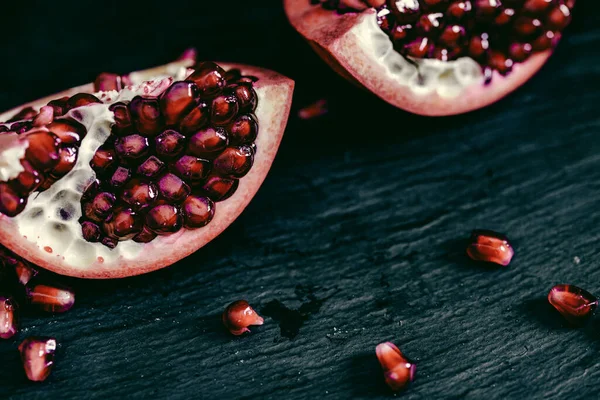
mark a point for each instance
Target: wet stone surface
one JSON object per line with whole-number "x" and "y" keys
{"x": 369, "y": 212}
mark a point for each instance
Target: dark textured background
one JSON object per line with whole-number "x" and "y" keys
{"x": 359, "y": 226}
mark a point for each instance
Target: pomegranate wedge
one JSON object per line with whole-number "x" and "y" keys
{"x": 433, "y": 57}
{"x": 132, "y": 173}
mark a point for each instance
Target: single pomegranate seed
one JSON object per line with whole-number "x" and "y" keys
{"x": 100, "y": 207}
{"x": 164, "y": 219}
{"x": 208, "y": 143}
{"x": 405, "y": 11}
{"x": 120, "y": 177}
{"x": 545, "y": 41}
{"x": 401, "y": 32}
{"x": 192, "y": 169}
{"x": 559, "y": 17}
{"x": 505, "y": 17}
{"x": 444, "y": 54}
{"x": 103, "y": 159}
{"x": 313, "y": 110}
{"x": 106, "y": 82}
{"x": 37, "y": 355}
{"x": 140, "y": 194}
{"x": 151, "y": 168}
{"x": 11, "y": 203}
{"x": 67, "y": 160}
{"x": 42, "y": 151}
{"x": 170, "y": 144}
{"x": 172, "y": 188}
{"x": 490, "y": 247}
{"x": 28, "y": 180}
{"x": 233, "y": 75}
{"x": 59, "y": 106}
{"x": 82, "y": 99}
{"x": 418, "y": 48}
{"x": 50, "y": 297}
{"x": 527, "y": 26}
{"x": 123, "y": 224}
{"x": 91, "y": 232}
{"x": 145, "y": 112}
{"x": 243, "y": 130}
{"x": 479, "y": 45}
{"x": 109, "y": 242}
{"x": 219, "y": 188}
{"x": 178, "y": 100}
{"x": 197, "y": 211}
{"x": 459, "y": 9}
{"x": 123, "y": 122}
{"x": 8, "y": 318}
{"x": 537, "y": 6}
{"x": 519, "y": 51}
{"x": 397, "y": 370}
{"x": 452, "y": 35}
{"x": 132, "y": 148}
{"x": 430, "y": 23}
{"x": 209, "y": 77}
{"x": 247, "y": 98}
{"x": 224, "y": 109}
{"x": 196, "y": 119}
{"x": 145, "y": 236}
{"x": 487, "y": 8}
{"x": 25, "y": 272}
{"x": 500, "y": 62}
{"x": 575, "y": 304}
{"x": 238, "y": 316}
{"x": 234, "y": 161}
{"x": 68, "y": 131}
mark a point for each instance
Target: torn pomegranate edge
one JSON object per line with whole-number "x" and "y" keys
{"x": 273, "y": 89}
{"x": 333, "y": 37}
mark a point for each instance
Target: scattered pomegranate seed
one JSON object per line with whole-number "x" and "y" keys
{"x": 50, "y": 298}
{"x": 314, "y": 110}
{"x": 574, "y": 303}
{"x": 397, "y": 370}
{"x": 490, "y": 246}
{"x": 8, "y": 318}
{"x": 37, "y": 355}
{"x": 238, "y": 316}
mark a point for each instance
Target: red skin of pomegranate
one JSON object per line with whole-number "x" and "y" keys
{"x": 274, "y": 92}
{"x": 333, "y": 36}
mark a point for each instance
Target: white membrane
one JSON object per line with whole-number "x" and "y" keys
{"x": 11, "y": 153}
{"x": 448, "y": 79}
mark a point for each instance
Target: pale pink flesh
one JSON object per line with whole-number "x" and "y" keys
{"x": 272, "y": 88}
{"x": 332, "y": 37}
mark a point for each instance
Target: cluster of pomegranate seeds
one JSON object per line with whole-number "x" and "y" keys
{"x": 52, "y": 148}
{"x": 20, "y": 282}
{"x": 496, "y": 33}
{"x": 576, "y": 305}
{"x": 397, "y": 370}
{"x": 170, "y": 158}
{"x": 490, "y": 246}
{"x": 238, "y": 316}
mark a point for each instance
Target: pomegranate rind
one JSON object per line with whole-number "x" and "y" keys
{"x": 334, "y": 38}
{"x": 275, "y": 97}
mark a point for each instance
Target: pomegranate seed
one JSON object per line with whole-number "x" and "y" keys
{"x": 209, "y": 77}
{"x": 397, "y": 370}
{"x": 59, "y": 106}
{"x": 459, "y": 9}
{"x": 67, "y": 160}
{"x": 505, "y": 16}
{"x": 537, "y": 6}
{"x": 418, "y": 48}
{"x": 224, "y": 109}
{"x": 91, "y": 232}
{"x": 192, "y": 169}
{"x": 100, "y": 207}
{"x": 25, "y": 272}
{"x": 238, "y": 316}
{"x": 120, "y": 177}
{"x": 164, "y": 219}
{"x": 196, "y": 119}
{"x": 490, "y": 247}
{"x": 520, "y": 51}
{"x": 170, "y": 144}
{"x": 145, "y": 113}
{"x": 452, "y": 35}
{"x": 234, "y": 161}
{"x": 244, "y": 129}
{"x": 197, "y": 211}
{"x": 28, "y": 180}
{"x": 68, "y": 131}
{"x": 500, "y": 62}
{"x": 545, "y": 41}
{"x": 527, "y": 26}
{"x": 479, "y": 45}
{"x": 219, "y": 188}
{"x": 247, "y": 98}
{"x": 106, "y": 82}
{"x": 429, "y": 23}
{"x": 172, "y": 188}
{"x": 82, "y": 99}
{"x": 132, "y": 148}
{"x": 145, "y": 236}
{"x": 123, "y": 224}
{"x": 11, "y": 203}
{"x": 123, "y": 122}
{"x": 178, "y": 100}
{"x": 208, "y": 143}
{"x": 140, "y": 194}
{"x": 151, "y": 168}
{"x": 103, "y": 159}
{"x": 50, "y": 297}
{"x": 109, "y": 242}
{"x": 25, "y": 113}
{"x": 559, "y": 17}
{"x": 405, "y": 10}
{"x": 486, "y": 8}
{"x": 575, "y": 304}
{"x": 8, "y": 318}
{"x": 37, "y": 355}
{"x": 42, "y": 151}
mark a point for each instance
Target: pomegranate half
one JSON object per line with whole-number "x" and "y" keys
{"x": 132, "y": 173}
{"x": 433, "y": 57}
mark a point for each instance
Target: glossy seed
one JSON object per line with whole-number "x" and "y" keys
{"x": 123, "y": 224}
{"x": 209, "y": 77}
{"x": 576, "y": 305}
{"x": 208, "y": 143}
{"x": 490, "y": 246}
{"x": 11, "y": 202}
{"x": 238, "y": 316}
{"x": 132, "y": 148}
{"x": 234, "y": 161}
{"x": 178, "y": 100}
{"x": 196, "y": 119}
{"x": 398, "y": 371}
{"x": 164, "y": 219}
{"x": 123, "y": 123}
{"x": 37, "y": 356}
{"x": 170, "y": 144}
{"x": 140, "y": 194}
{"x": 224, "y": 108}
{"x": 151, "y": 167}
{"x": 219, "y": 188}
{"x": 69, "y": 132}
{"x": 50, "y": 297}
{"x": 243, "y": 130}
{"x": 146, "y": 116}
{"x": 197, "y": 211}
{"x": 8, "y": 318}
{"x": 192, "y": 169}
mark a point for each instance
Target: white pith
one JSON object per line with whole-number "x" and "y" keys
{"x": 449, "y": 79}
{"x": 41, "y": 221}
{"x": 12, "y": 151}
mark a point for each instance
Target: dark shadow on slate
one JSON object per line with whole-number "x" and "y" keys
{"x": 539, "y": 310}
{"x": 367, "y": 377}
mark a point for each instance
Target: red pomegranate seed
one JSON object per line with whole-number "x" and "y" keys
{"x": 219, "y": 188}
{"x": 478, "y": 45}
{"x": 123, "y": 122}
{"x": 37, "y": 355}
{"x": 91, "y": 232}
{"x": 575, "y": 304}
{"x": 28, "y": 180}
{"x": 68, "y": 131}
{"x": 164, "y": 219}
{"x": 67, "y": 160}
{"x": 490, "y": 246}
{"x": 82, "y": 99}
{"x": 42, "y": 151}
{"x": 170, "y": 144}
{"x": 208, "y": 143}
{"x": 59, "y": 106}
{"x": 196, "y": 119}
{"x": 145, "y": 113}
{"x": 100, "y": 207}
{"x": 459, "y": 9}
{"x": 145, "y": 236}
{"x": 244, "y": 129}
{"x": 50, "y": 297}
{"x": 197, "y": 211}
{"x": 106, "y": 82}
{"x": 247, "y": 97}
{"x": 178, "y": 100}
{"x": 140, "y": 194}
{"x": 559, "y": 17}
{"x": 209, "y": 77}
{"x": 123, "y": 224}
{"x": 545, "y": 41}
{"x": 234, "y": 161}
{"x": 172, "y": 188}
{"x": 8, "y": 318}
{"x": 132, "y": 148}
{"x": 11, "y": 203}
{"x": 238, "y": 316}
{"x": 192, "y": 169}
{"x": 537, "y": 6}
{"x": 151, "y": 168}
{"x": 120, "y": 177}
{"x": 398, "y": 371}
{"x": 418, "y": 48}
{"x": 25, "y": 272}
{"x": 224, "y": 108}
{"x": 103, "y": 159}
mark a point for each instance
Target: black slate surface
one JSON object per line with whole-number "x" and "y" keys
{"x": 355, "y": 237}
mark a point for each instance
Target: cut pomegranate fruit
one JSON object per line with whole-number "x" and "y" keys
{"x": 132, "y": 173}
{"x": 433, "y": 57}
